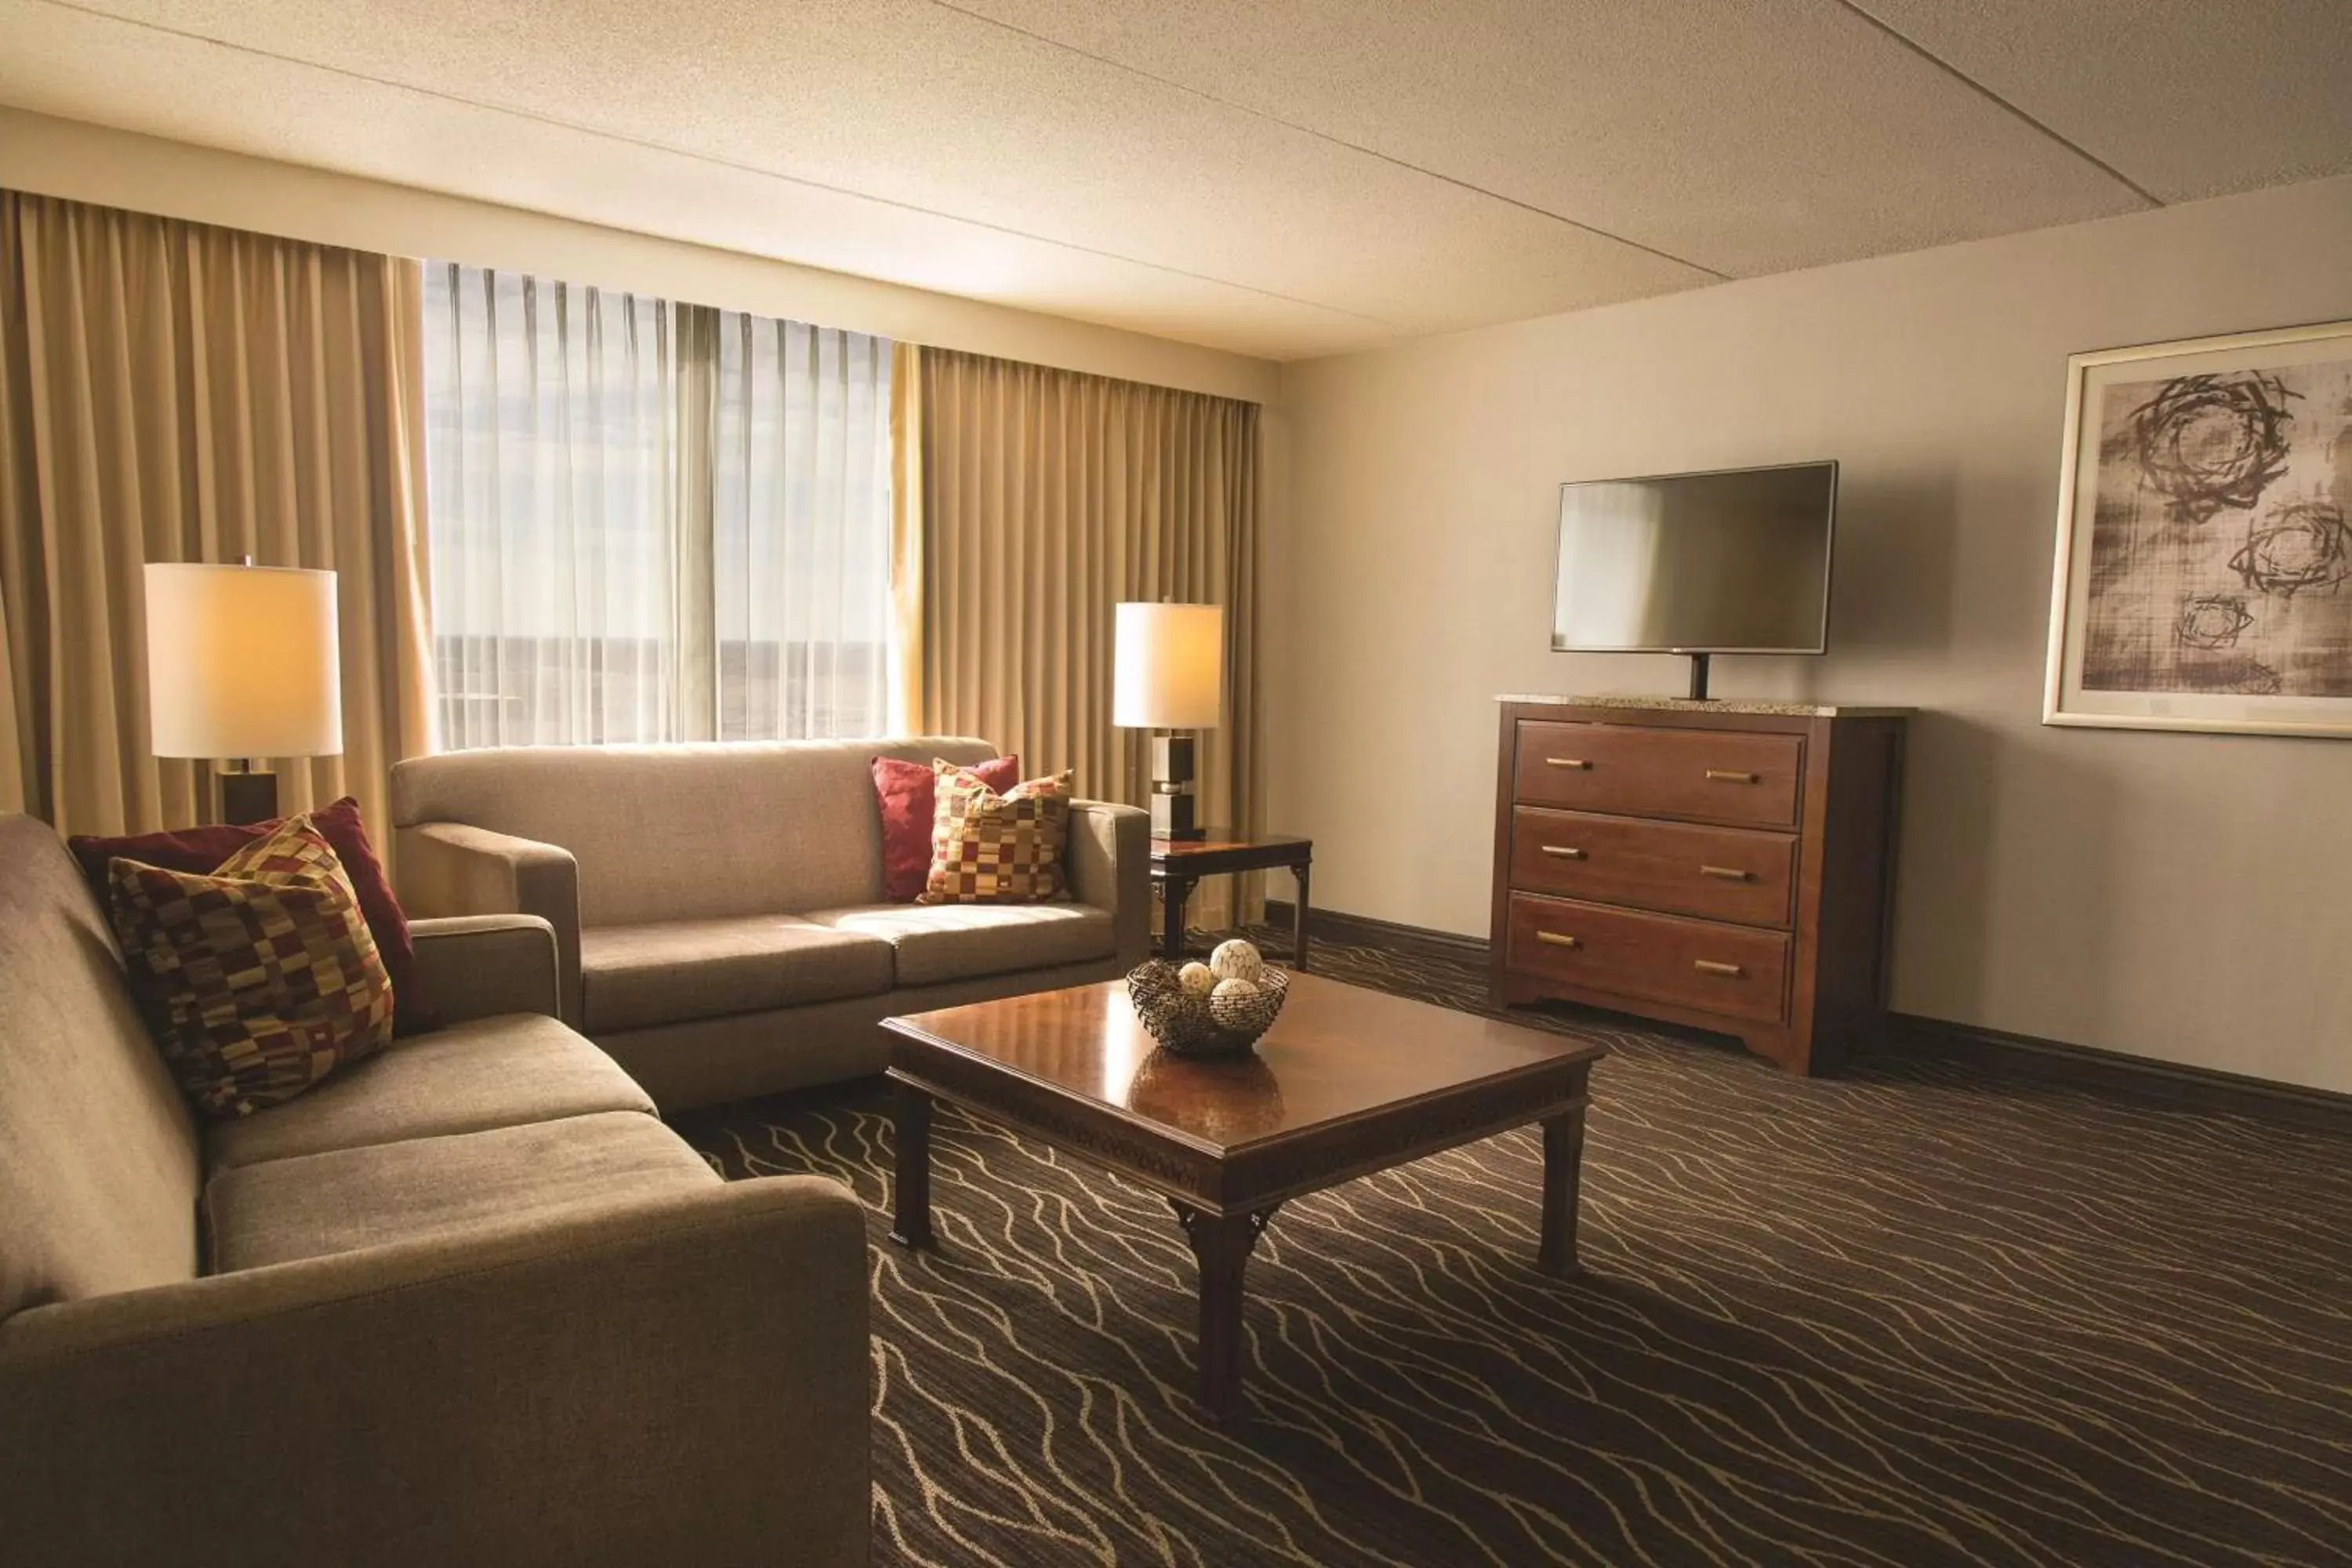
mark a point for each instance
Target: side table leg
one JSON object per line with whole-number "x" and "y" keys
{"x": 1299, "y": 919}
{"x": 1174, "y": 892}
{"x": 1222, "y": 1246}
{"x": 1563, "y": 1151}
{"x": 911, "y": 1115}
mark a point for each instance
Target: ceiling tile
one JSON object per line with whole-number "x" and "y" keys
{"x": 915, "y": 104}
{"x": 2190, "y": 97}
{"x": 1745, "y": 138}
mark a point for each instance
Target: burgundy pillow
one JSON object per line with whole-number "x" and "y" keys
{"x": 908, "y": 792}
{"x": 200, "y": 851}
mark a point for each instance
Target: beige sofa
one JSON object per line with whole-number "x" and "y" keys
{"x": 468, "y": 1301}
{"x": 719, "y": 907}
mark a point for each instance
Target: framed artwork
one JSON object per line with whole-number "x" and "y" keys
{"x": 2204, "y": 576}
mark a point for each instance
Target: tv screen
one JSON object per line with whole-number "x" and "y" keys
{"x": 1733, "y": 562}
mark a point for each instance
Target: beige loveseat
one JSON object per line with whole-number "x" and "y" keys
{"x": 719, "y": 907}
{"x": 468, "y": 1301}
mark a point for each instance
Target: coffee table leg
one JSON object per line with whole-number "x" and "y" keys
{"x": 1563, "y": 1152}
{"x": 1221, "y": 1244}
{"x": 910, "y": 1113}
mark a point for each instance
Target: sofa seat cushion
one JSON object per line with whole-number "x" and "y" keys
{"x": 636, "y": 975}
{"x": 440, "y": 1188}
{"x": 500, "y": 1071}
{"x": 937, "y": 943}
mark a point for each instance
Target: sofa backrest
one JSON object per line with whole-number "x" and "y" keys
{"x": 683, "y": 832}
{"x": 99, "y": 1164}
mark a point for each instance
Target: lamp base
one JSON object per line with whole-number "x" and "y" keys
{"x": 248, "y": 795}
{"x": 1171, "y": 789}
{"x": 1172, "y": 816}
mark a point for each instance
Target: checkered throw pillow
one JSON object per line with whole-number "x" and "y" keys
{"x": 991, "y": 848}
{"x": 258, "y": 980}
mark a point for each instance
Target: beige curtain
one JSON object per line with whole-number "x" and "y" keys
{"x": 175, "y": 391}
{"x": 1049, "y": 497}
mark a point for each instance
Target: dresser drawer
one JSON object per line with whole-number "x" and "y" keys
{"x": 1736, "y": 971}
{"x": 1712, "y": 775}
{"x": 1722, "y": 873}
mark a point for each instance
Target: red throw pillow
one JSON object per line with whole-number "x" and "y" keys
{"x": 909, "y": 794}
{"x": 201, "y": 850}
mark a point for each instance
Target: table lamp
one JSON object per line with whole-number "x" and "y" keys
{"x": 1169, "y": 673}
{"x": 243, "y": 665}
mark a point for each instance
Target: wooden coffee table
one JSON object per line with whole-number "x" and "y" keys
{"x": 1348, "y": 1082}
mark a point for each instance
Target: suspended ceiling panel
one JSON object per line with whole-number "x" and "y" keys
{"x": 1280, "y": 179}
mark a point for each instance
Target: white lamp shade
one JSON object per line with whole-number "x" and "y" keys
{"x": 242, "y": 661}
{"x": 1170, "y": 668}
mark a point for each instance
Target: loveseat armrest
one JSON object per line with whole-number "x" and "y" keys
{"x": 679, "y": 1378}
{"x": 1110, "y": 868}
{"x": 455, "y": 869}
{"x": 476, "y": 966}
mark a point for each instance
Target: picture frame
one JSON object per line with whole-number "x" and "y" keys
{"x": 2203, "y": 579}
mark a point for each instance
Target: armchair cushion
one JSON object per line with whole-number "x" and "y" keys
{"x": 938, "y": 942}
{"x": 440, "y": 1189}
{"x": 467, "y": 1078}
{"x": 672, "y": 970}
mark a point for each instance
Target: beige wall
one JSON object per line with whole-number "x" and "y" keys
{"x": 2181, "y": 897}
{"x": 91, "y": 163}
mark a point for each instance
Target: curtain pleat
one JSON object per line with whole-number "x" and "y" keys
{"x": 175, "y": 392}
{"x": 1048, "y": 497}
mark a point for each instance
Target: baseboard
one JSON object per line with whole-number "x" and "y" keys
{"x": 2021, "y": 1055}
{"x": 2176, "y": 1084}
{"x": 1362, "y": 930}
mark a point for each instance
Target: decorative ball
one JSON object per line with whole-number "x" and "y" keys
{"x": 1155, "y": 971}
{"x": 1236, "y": 960}
{"x": 1234, "y": 989}
{"x": 1196, "y": 977}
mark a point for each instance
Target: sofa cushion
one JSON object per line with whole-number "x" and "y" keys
{"x": 937, "y": 943}
{"x": 659, "y": 974}
{"x": 259, "y": 979}
{"x": 486, "y": 1072}
{"x": 202, "y": 849}
{"x": 438, "y": 1188}
{"x": 97, "y": 1149}
{"x": 991, "y": 848}
{"x": 907, "y": 794}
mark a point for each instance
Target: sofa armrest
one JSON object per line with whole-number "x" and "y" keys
{"x": 453, "y": 868}
{"x": 476, "y": 966}
{"x": 1110, "y": 868}
{"x": 672, "y": 1379}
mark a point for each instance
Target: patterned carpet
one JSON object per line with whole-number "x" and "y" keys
{"x": 1910, "y": 1316}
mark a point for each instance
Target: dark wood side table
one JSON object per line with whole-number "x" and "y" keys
{"x": 1178, "y": 863}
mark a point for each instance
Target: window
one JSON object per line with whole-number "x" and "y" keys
{"x": 651, "y": 521}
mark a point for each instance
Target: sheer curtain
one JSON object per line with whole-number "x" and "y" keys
{"x": 652, "y": 521}
{"x": 801, "y": 497}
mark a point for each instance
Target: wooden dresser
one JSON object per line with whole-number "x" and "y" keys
{"x": 1726, "y": 865}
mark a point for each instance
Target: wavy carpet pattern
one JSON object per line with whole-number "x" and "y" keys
{"x": 1912, "y": 1315}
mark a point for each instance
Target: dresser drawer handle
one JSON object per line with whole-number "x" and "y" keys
{"x": 1730, "y": 776}
{"x": 1577, "y": 762}
{"x": 1563, "y": 851}
{"x": 1726, "y": 873}
{"x": 1709, "y": 966}
{"x": 1557, "y": 939}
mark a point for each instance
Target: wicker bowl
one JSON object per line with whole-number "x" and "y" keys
{"x": 1187, "y": 1023}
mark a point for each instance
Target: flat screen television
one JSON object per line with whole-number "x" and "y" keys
{"x": 1733, "y": 561}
